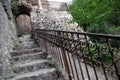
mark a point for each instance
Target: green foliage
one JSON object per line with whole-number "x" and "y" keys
{"x": 115, "y": 44}
{"x": 114, "y": 18}
{"x": 96, "y": 15}
{"x": 114, "y": 30}
{"x": 87, "y": 12}
{"x": 19, "y": 35}
{"x": 32, "y": 36}
{"x": 51, "y": 63}
{"x": 8, "y": 78}
{"x": 97, "y": 56}
{"x": 11, "y": 62}
{"x": 0, "y": 60}
{"x": 14, "y": 46}
{"x": 14, "y": 8}
{"x": 96, "y": 29}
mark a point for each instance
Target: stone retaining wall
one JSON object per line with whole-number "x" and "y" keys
{"x": 7, "y": 40}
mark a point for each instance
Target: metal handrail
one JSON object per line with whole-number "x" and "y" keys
{"x": 78, "y": 53}
{"x": 110, "y": 36}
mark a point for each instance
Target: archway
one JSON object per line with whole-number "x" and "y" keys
{"x": 23, "y": 19}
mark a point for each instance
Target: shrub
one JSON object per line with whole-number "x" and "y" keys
{"x": 96, "y": 28}
{"x": 0, "y": 60}
{"x": 15, "y": 9}
{"x": 97, "y": 56}
{"x": 11, "y": 62}
{"x": 14, "y": 47}
{"x": 32, "y": 36}
{"x": 19, "y": 35}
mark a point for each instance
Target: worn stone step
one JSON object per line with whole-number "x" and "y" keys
{"x": 25, "y": 37}
{"x": 26, "y": 42}
{"x": 22, "y": 52}
{"x": 43, "y": 74}
{"x": 31, "y": 66}
{"x": 28, "y": 57}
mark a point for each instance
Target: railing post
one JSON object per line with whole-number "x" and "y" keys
{"x": 64, "y": 54}
{"x": 112, "y": 55}
{"x": 66, "y": 63}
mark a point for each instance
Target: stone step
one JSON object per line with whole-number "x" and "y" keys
{"x": 43, "y": 74}
{"x": 28, "y": 57}
{"x": 21, "y": 39}
{"x": 25, "y": 37}
{"x": 28, "y": 43}
{"x": 22, "y": 52}
{"x": 31, "y": 66}
{"x": 25, "y": 42}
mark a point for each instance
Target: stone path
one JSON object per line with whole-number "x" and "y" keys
{"x": 30, "y": 63}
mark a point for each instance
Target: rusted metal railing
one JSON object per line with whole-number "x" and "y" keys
{"x": 84, "y": 56}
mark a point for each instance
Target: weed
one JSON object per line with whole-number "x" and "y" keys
{"x": 19, "y": 35}
{"x": 32, "y": 36}
{"x": 11, "y": 62}
{"x": 51, "y": 63}
{"x": 15, "y": 9}
{"x": 14, "y": 47}
{"x": 0, "y": 60}
{"x": 8, "y": 78}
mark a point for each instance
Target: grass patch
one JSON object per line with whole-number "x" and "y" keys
{"x": 14, "y": 7}
{"x": 32, "y": 36}
{"x": 19, "y": 35}
{"x": 8, "y": 78}
{"x": 51, "y": 63}
{"x": 11, "y": 62}
{"x": 0, "y": 60}
{"x": 14, "y": 47}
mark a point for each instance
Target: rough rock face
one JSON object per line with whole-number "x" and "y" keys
{"x": 45, "y": 5}
{"x": 33, "y": 2}
{"x": 58, "y": 6}
{"x": 24, "y": 7}
{"x": 57, "y": 20}
{"x": 24, "y": 24}
{"x": 7, "y": 39}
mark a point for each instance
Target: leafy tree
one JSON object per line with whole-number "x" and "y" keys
{"x": 96, "y": 15}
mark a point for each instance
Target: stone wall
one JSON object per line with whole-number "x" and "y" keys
{"x": 56, "y": 20}
{"x": 45, "y": 5}
{"x": 58, "y": 6}
{"x": 40, "y": 4}
{"x": 7, "y": 40}
{"x": 33, "y": 2}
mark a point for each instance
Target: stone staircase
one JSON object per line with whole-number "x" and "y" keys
{"x": 30, "y": 63}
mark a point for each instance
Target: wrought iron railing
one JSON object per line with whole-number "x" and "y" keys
{"x": 84, "y": 56}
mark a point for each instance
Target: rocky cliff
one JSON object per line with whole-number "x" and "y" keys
{"x": 7, "y": 39}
